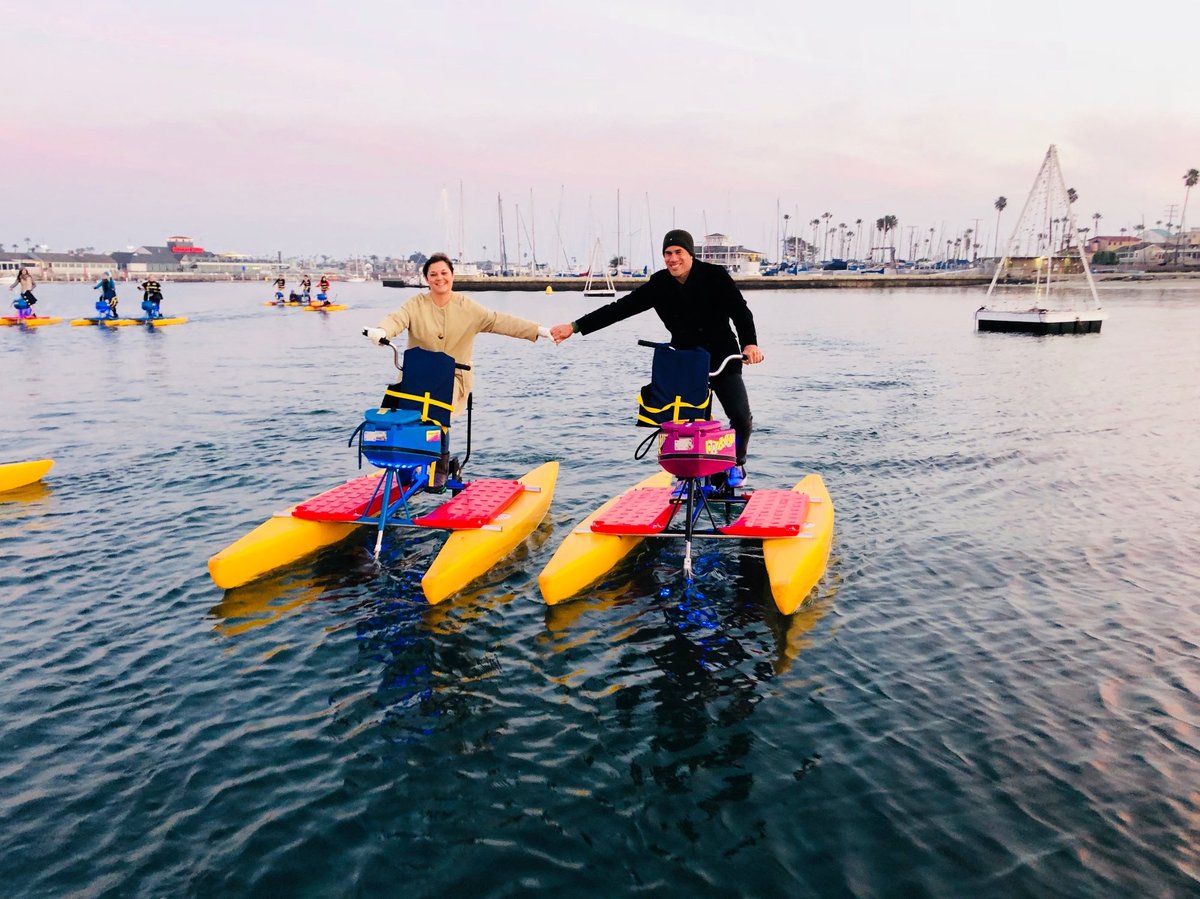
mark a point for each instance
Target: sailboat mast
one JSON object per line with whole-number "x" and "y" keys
{"x": 503, "y": 251}
{"x": 533, "y": 231}
{"x": 462, "y": 227}
{"x": 618, "y": 230}
{"x": 650, "y": 233}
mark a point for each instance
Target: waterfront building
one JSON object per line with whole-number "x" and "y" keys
{"x": 69, "y": 266}
{"x": 11, "y": 263}
{"x": 1142, "y": 254}
{"x": 1102, "y": 244}
{"x": 146, "y": 260}
{"x": 738, "y": 260}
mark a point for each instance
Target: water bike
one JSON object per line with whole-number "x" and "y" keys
{"x": 25, "y": 316}
{"x": 690, "y": 498}
{"x": 107, "y": 317}
{"x": 324, "y": 304}
{"x": 293, "y": 299}
{"x": 21, "y": 474}
{"x": 408, "y": 438}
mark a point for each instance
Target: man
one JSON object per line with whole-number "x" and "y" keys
{"x": 696, "y": 301}
{"x": 151, "y": 297}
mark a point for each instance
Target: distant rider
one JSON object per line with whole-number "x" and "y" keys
{"x": 306, "y": 288}
{"x": 323, "y": 291}
{"x": 151, "y": 298}
{"x": 280, "y": 284}
{"x": 107, "y": 304}
{"x": 25, "y": 300}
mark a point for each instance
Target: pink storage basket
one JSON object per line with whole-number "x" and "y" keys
{"x": 696, "y": 449}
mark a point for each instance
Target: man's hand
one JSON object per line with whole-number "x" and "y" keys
{"x": 752, "y": 353}
{"x": 375, "y": 335}
{"x": 562, "y": 332}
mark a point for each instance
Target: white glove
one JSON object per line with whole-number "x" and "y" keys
{"x": 543, "y": 331}
{"x": 376, "y": 335}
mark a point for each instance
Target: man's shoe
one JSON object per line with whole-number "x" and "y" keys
{"x": 735, "y": 477}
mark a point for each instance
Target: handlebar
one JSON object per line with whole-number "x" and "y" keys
{"x": 736, "y": 357}
{"x": 396, "y": 354}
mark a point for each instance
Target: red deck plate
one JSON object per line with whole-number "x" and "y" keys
{"x": 643, "y": 511}
{"x": 479, "y": 503}
{"x": 347, "y": 502}
{"x": 770, "y": 513}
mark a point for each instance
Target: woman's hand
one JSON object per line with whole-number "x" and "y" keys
{"x": 561, "y": 332}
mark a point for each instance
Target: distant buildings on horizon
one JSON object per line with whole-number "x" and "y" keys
{"x": 181, "y": 257}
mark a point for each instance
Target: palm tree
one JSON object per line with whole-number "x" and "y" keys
{"x": 967, "y": 239}
{"x": 816, "y": 223}
{"x": 1189, "y": 181}
{"x": 1096, "y": 218}
{"x": 825, "y": 244}
{"x": 1072, "y": 196}
{"x": 857, "y": 231}
{"x": 890, "y": 222}
{"x": 1000, "y": 203}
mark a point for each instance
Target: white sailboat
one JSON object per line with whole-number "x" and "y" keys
{"x": 608, "y": 290}
{"x": 1043, "y": 247}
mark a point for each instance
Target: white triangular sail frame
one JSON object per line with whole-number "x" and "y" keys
{"x": 609, "y": 290}
{"x": 1034, "y": 234}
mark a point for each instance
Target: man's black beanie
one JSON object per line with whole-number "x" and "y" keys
{"x": 678, "y": 238}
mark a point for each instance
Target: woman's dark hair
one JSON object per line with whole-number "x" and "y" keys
{"x": 436, "y": 257}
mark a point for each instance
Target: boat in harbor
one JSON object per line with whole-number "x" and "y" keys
{"x": 1041, "y": 253}
{"x": 590, "y": 287}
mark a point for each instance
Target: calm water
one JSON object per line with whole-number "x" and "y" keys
{"x": 995, "y": 691}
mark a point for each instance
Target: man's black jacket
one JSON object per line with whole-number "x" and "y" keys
{"x": 697, "y": 312}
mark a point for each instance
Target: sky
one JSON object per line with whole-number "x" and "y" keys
{"x": 390, "y": 128}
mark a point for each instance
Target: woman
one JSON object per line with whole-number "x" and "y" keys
{"x": 25, "y": 282}
{"x": 107, "y": 304}
{"x": 446, "y": 322}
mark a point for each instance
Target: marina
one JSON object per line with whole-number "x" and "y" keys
{"x": 986, "y": 694}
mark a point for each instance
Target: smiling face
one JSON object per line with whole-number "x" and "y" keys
{"x": 440, "y": 278}
{"x": 678, "y": 261}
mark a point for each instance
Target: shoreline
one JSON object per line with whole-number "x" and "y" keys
{"x": 811, "y": 281}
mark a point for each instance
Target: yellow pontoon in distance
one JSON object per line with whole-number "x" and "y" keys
{"x": 21, "y": 474}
